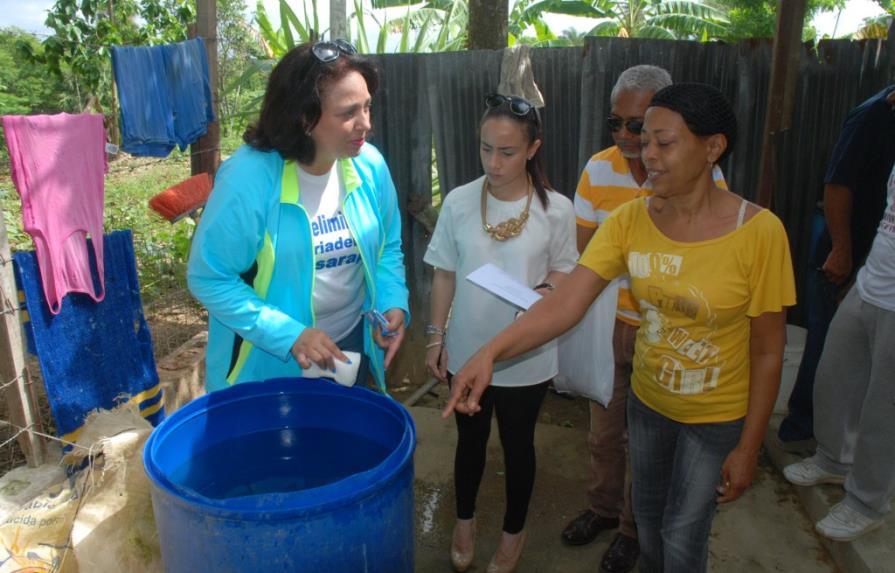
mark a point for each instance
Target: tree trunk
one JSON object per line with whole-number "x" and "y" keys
{"x": 781, "y": 92}
{"x": 338, "y": 20}
{"x": 487, "y": 24}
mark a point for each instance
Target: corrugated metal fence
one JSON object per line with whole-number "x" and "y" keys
{"x": 435, "y": 100}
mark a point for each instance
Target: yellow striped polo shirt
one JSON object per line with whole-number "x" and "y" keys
{"x": 605, "y": 185}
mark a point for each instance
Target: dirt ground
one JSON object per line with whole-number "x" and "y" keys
{"x": 767, "y": 531}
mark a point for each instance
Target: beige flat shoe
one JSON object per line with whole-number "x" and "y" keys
{"x": 506, "y": 558}
{"x": 462, "y": 559}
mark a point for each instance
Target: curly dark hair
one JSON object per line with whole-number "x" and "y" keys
{"x": 704, "y": 108}
{"x": 291, "y": 105}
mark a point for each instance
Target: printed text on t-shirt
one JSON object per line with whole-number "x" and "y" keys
{"x": 333, "y": 244}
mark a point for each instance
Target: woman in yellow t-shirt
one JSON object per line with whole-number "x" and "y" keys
{"x": 713, "y": 275}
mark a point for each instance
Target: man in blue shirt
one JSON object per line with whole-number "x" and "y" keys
{"x": 854, "y": 200}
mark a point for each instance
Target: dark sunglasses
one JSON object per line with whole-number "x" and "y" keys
{"x": 635, "y": 126}
{"x": 330, "y": 51}
{"x": 520, "y": 106}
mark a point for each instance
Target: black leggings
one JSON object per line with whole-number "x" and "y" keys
{"x": 517, "y": 412}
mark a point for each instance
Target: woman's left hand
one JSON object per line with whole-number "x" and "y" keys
{"x": 737, "y": 474}
{"x": 391, "y": 343}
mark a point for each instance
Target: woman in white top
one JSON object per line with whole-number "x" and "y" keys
{"x": 512, "y": 219}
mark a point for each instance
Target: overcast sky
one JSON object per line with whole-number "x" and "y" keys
{"x": 30, "y": 14}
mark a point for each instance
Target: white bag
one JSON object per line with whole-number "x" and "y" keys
{"x": 586, "y": 360}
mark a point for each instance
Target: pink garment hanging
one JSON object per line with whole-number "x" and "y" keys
{"x": 58, "y": 162}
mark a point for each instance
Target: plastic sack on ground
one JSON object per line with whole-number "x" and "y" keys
{"x": 586, "y": 362}
{"x": 99, "y": 520}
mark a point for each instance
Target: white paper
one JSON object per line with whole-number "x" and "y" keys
{"x": 496, "y": 281}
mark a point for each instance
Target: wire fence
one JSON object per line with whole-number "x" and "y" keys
{"x": 173, "y": 318}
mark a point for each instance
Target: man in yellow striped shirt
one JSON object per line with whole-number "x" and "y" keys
{"x": 611, "y": 178}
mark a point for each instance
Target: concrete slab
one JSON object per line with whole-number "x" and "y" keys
{"x": 765, "y": 531}
{"x": 873, "y": 553}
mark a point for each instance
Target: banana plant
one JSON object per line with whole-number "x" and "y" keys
{"x": 669, "y": 19}
{"x": 292, "y": 31}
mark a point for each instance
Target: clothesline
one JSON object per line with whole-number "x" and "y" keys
{"x": 163, "y": 159}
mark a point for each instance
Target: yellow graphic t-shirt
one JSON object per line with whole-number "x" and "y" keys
{"x": 605, "y": 184}
{"x": 691, "y": 359}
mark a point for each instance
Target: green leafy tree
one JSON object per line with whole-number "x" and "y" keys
{"x": 668, "y": 19}
{"x": 758, "y": 18}
{"x": 85, "y": 30}
{"x": 239, "y": 47}
{"x": 25, "y": 87}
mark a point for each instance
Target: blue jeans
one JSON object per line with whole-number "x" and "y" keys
{"x": 820, "y": 305}
{"x": 354, "y": 342}
{"x": 675, "y": 469}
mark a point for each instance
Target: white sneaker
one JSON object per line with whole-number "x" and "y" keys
{"x": 806, "y": 472}
{"x": 845, "y": 524}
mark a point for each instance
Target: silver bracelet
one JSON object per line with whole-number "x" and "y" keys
{"x": 434, "y": 344}
{"x": 432, "y": 329}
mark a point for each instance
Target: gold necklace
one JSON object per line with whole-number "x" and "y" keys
{"x": 512, "y": 226}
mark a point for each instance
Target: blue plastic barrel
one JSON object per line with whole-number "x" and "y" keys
{"x": 284, "y": 475}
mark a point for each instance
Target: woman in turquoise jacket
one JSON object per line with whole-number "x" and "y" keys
{"x": 301, "y": 236}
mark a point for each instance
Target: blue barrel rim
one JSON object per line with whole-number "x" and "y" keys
{"x": 287, "y": 505}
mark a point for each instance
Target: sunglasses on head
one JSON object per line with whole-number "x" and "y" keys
{"x": 520, "y": 107}
{"x": 330, "y": 51}
{"x": 635, "y": 126}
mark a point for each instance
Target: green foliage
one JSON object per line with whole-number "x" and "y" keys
{"x": 758, "y": 18}
{"x": 239, "y": 47}
{"x": 668, "y": 19}
{"x": 25, "y": 87}
{"x": 85, "y": 30}
{"x": 877, "y": 27}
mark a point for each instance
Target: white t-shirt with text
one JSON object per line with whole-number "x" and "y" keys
{"x": 338, "y": 286}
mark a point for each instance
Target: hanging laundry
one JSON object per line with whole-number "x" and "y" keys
{"x": 147, "y": 123}
{"x": 165, "y": 96}
{"x": 93, "y": 355}
{"x": 57, "y": 164}
{"x": 187, "y": 75}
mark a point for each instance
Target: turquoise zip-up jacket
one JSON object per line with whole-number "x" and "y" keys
{"x": 252, "y": 262}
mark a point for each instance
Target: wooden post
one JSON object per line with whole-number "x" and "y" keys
{"x": 13, "y": 374}
{"x": 206, "y": 152}
{"x": 338, "y": 19}
{"x": 781, "y": 90}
